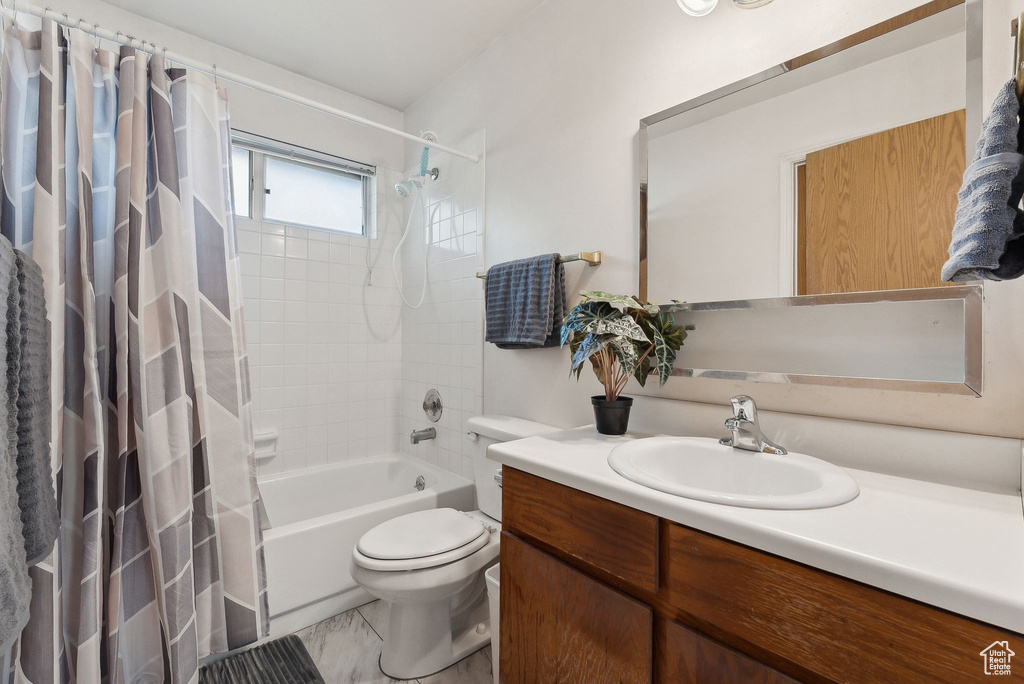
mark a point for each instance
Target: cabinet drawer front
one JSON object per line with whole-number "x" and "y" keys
{"x": 683, "y": 656}
{"x": 560, "y": 626}
{"x": 613, "y": 538}
{"x": 835, "y": 628}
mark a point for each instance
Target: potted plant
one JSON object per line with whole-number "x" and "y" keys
{"x": 621, "y": 338}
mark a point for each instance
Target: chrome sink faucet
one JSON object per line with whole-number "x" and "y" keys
{"x": 746, "y": 432}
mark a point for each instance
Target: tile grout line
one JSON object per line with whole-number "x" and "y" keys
{"x": 372, "y": 629}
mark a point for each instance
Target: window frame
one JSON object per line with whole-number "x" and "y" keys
{"x": 260, "y": 147}
{"x": 249, "y": 184}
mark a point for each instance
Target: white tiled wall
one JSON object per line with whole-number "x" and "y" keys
{"x": 339, "y": 366}
{"x": 442, "y": 340}
{"x": 325, "y": 345}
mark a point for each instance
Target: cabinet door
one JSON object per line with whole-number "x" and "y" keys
{"x": 684, "y": 656}
{"x": 559, "y": 625}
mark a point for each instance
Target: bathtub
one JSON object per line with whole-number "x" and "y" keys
{"x": 312, "y": 519}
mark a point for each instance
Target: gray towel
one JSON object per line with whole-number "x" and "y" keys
{"x": 988, "y": 221}
{"x": 32, "y": 420}
{"x": 525, "y": 303}
{"x": 15, "y": 585}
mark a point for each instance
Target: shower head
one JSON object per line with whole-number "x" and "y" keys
{"x": 406, "y": 188}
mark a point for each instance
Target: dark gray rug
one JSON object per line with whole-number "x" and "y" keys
{"x": 281, "y": 661}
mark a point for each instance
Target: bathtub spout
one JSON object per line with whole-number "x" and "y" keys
{"x": 418, "y": 436}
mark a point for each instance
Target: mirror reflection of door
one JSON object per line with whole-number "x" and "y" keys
{"x": 876, "y": 213}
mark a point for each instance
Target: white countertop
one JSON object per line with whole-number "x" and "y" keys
{"x": 955, "y": 548}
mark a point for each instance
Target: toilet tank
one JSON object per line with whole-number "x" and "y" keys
{"x": 488, "y": 430}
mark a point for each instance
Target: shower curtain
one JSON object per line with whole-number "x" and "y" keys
{"x": 115, "y": 175}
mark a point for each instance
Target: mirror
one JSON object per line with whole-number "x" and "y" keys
{"x": 832, "y": 175}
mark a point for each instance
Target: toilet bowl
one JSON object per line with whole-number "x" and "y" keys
{"x": 438, "y": 611}
{"x": 429, "y": 566}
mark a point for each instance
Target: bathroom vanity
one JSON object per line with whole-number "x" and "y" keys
{"x": 603, "y": 580}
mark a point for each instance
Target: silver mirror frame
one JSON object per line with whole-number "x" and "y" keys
{"x": 972, "y": 295}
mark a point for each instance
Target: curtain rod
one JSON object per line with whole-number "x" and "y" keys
{"x": 122, "y": 38}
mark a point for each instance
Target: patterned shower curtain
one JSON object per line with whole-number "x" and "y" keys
{"x": 115, "y": 175}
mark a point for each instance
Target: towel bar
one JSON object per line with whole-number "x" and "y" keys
{"x": 592, "y": 259}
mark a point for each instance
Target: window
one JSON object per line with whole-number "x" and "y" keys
{"x": 295, "y": 186}
{"x": 313, "y": 196}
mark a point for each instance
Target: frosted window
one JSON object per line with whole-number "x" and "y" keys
{"x": 240, "y": 181}
{"x": 313, "y": 196}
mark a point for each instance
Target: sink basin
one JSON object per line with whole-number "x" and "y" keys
{"x": 702, "y": 469}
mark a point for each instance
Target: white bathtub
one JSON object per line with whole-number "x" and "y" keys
{"x": 315, "y": 516}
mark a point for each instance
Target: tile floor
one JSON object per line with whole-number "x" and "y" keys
{"x": 345, "y": 649}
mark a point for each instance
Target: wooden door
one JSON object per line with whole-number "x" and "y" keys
{"x": 683, "y": 656}
{"x": 560, "y": 626}
{"x": 878, "y": 211}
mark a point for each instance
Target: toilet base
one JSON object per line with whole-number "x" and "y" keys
{"x": 415, "y": 647}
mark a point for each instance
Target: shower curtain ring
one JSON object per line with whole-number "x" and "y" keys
{"x": 215, "y": 81}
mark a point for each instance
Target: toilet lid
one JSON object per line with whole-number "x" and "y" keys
{"x": 420, "y": 534}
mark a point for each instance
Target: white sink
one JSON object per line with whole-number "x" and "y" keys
{"x": 703, "y": 469}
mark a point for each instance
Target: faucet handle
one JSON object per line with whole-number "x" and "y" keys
{"x": 744, "y": 407}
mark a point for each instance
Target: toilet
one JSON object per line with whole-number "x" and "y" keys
{"x": 429, "y": 566}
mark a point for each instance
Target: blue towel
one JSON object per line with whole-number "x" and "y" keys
{"x": 525, "y": 303}
{"x": 989, "y": 223}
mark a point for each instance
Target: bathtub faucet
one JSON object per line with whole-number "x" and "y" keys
{"x": 418, "y": 436}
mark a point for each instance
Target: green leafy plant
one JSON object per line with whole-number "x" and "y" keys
{"x": 621, "y": 338}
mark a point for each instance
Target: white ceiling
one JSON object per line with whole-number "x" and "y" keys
{"x": 389, "y": 51}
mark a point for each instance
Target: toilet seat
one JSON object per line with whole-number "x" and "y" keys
{"x": 420, "y": 540}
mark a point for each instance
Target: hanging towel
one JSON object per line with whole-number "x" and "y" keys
{"x": 32, "y": 420}
{"x": 15, "y": 585}
{"x": 525, "y": 303}
{"x": 989, "y": 224}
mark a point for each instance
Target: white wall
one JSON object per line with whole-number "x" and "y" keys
{"x": 323, "y": 324}
{"x": 561, "y": 96}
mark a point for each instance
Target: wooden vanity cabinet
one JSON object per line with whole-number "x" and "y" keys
{"x": 593, "y": 591}
{"x": 563, "y": 626}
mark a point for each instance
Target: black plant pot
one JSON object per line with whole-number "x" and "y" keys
{"x": 612, "y": 417}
